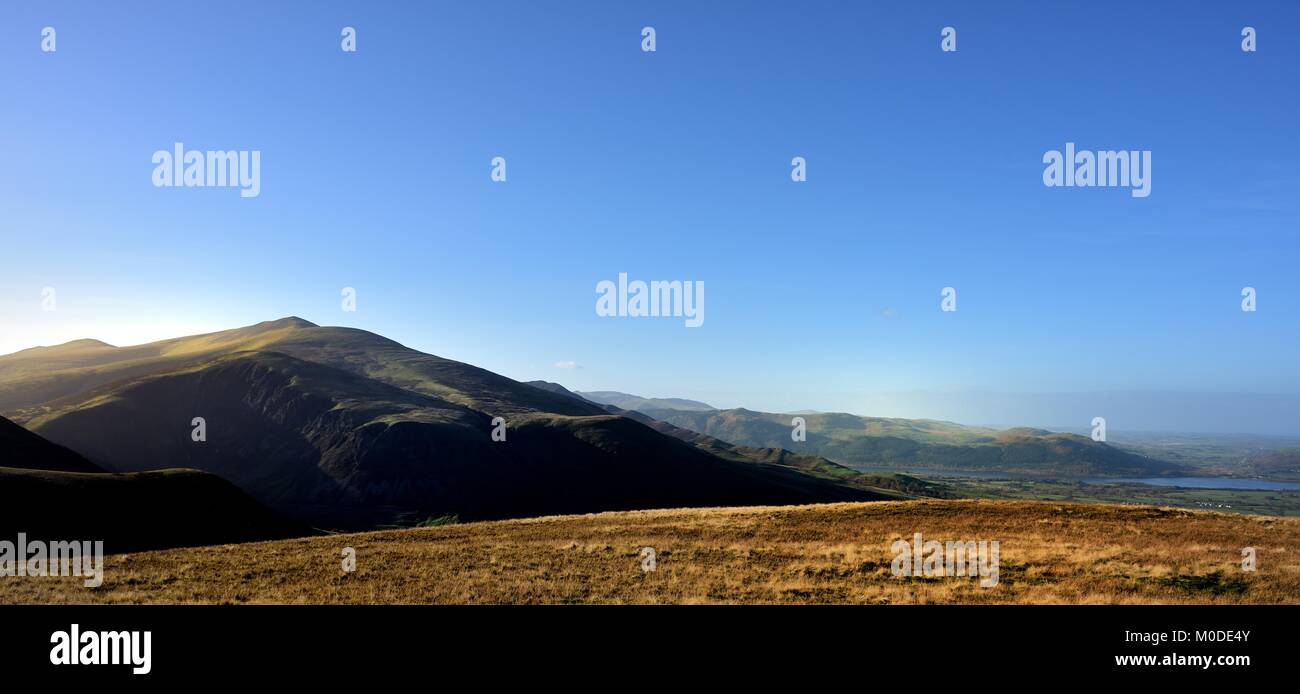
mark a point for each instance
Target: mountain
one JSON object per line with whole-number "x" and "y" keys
{"x": 51, "y": 493}
{"x": 645, "y": 405}
{"x": 877, "y": 443}
{"x": 37, "y": 381}
{"x": 343, "y": 428}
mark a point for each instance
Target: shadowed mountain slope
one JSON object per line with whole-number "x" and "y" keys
{"x": 128, "y": 512}
{"x": 21, "y": 449}
{"x": 136, "y": 511}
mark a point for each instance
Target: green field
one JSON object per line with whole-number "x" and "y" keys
{"x": 1265, "y": 502}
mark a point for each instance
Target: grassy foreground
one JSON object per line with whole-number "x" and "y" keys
{"x": 833, "y": 553}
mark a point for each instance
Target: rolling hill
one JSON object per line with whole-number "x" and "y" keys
{"x": 21, "y": 449}
{"x": 343, "y": 428}
{"x": 900, "y": 486}
{"x": 879, "y": 443}
{"x": 51, "y": 493}
{"x": 887, "y": 443}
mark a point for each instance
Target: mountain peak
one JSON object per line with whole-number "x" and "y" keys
{"x": 73, "y": 347}
{"x": 286, "y": 322}
{"x": 295, "y": 321}
{"x": 87, "y": 342}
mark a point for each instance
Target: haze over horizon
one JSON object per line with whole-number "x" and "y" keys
{"x": 824, "y": 295}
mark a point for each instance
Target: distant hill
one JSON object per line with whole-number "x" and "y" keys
{"x": 128, "y": 512}
{"x": 645, "y": 405}
{"x": 342, "y": 428}
{"x": 878, "y": 443}
{"x": 896, "y": 486}
{"x": 1280, "y": 464}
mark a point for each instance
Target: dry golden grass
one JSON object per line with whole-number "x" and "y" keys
{"x": 833, "y": 553}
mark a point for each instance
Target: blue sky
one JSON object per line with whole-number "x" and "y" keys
{"x": 924, "y": 171}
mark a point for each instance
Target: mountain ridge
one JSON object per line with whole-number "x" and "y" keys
{"x": 876, "y": 443}
{"x": 891, "y": 443}
{"x": 628, "y": 401}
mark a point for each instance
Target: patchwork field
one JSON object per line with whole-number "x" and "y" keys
{"x": 831, "y": 553}
{"x": 1248, "y": 501}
